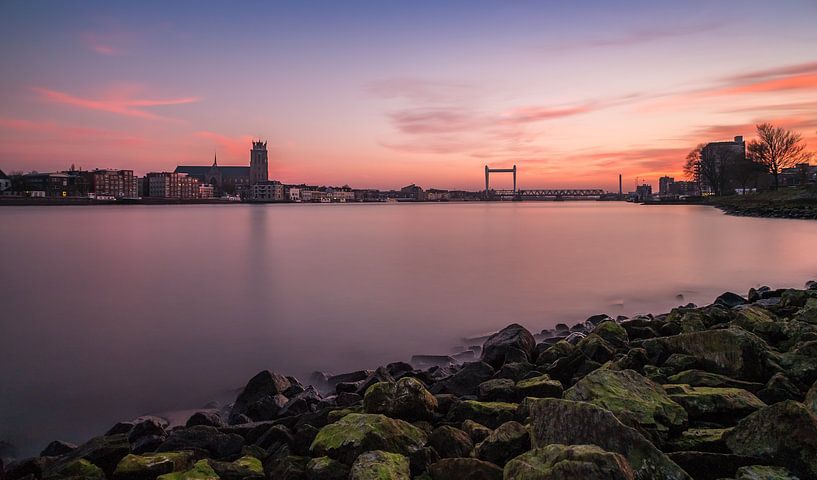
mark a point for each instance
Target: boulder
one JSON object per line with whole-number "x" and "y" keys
{"x": 406, "y": 399}
{"x": 57, "y": 448}
{"x": 779, "y": 388}
{"x": 80, "y": 469}
{"x": 784, "y": 434}
{"x": 711, "y": 466}
{"x": 730, "y": 300}
{"x": 476, "y": 431}
{"x": 490, "y": 414}
{"x": 380, "y": 465}
{"x": 811, "y": 399}
{"x": 208, "y": 440}
{"x": 356, "y": 433}
{"x": 634, "y": 399}
{"x": 325, "y": 468}
{"x": 596, "y": 348}
{"x": 148, "y": 467}
{"x": 763, "y": 472}
{"x": 506, "y": 442}
{"x": 554, "y": 352}
{"x": 723, "y": 406}
{"x": 561, "y": 462}
{"x": 210, "y": 418}
{"x": 104, "y": 452}
{"x": 245, "y": 468}
{"x": 701, "y": 378}
{"x": 580, "y": 423}
{"x": 465, "y": 381}
{"x": 800, "y": 363}
{"x": 698, "y": 440}
{"x": 421, "y": 460}
{"x": 201, "y": 471}
{"x": 497, "y": 390}
{"x": 464, "y": 469}
{"x": 262, "y": 398}
{"x": 613, "y": 333}
{"x": 450, "y": 442}
{"x": 512, "y": 342}
{"x": 541, "y": 386}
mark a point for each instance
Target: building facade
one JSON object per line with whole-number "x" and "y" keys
{"x": 267, "y": 191}
{"x": 172, "y": 185}
{"x": 259, "y": 169}
{"x": 112, "y": 183}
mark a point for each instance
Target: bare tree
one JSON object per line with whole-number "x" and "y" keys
{"x": 777, "y": 148}
{"x": 693, "y": 162}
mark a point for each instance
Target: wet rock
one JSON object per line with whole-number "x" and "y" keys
{"x": 764, "y": 472}
{"x": 356, "y": 433}
{"x": 811, "y": 399}
{"x": 541, "y": 386}
{"x": 476, "y": 431}
{"x": 464, "y": 469}
{"x": 57, "y": 448}
{"x": 379, "y": 465}
{"x": 516, "y": 370}
{"x": 551, "y": 354}
{"x": 580, "y": 423}
{"x": 557, "y": 462}
{"x": 730, "y": 300}
{"x": 465, "y": 381}
{"x": 634, "y": 399}
{"x": 148, "y": 467}
{"x": 406, "y": 399}
{"x": 119, "y": 428}
{"x": 208, "y": 440}
{"x": 450, "y": 442}
{"x": 612, "y": 333}
{"x": 285, "y": 467}
{"x": 381, "y": 374}
{"x": 148, "y": 426}
{"x": 301, "y": 403}
{"x": 399, "y": 369}
{"x": 325, "y": 468}
{"x": 104, "y": 452}
{"x": 497, "y": 390}
{"x": 723, "y": 406}
{"x": 784, "y": 434}
{"x": 201, "y": 470}
{"x": 699, "y": 440}
{"x": 701, "y": 378}
{"x": 356, "y": 376}
{"x": 263, "y": 397}
{"x": 245, "y": 468}
{"x": 513, "y": 341}
{"x": 490, "y": 414}
{"x": 210, "y": 418}
{"x": 596, "y": 348}
{"x": 800, "y": 363}
{"x": 76, "y": 470}
{"x": 711, "y": 466}
{"x": 561, "y": 327}
{"x": 506, "y": 442}
{"x": 779, "y": 388}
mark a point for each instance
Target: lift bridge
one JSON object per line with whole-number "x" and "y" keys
{"x": 538, "y": 194}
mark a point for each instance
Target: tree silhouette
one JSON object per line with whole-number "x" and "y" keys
{"x": 777, "y": 148}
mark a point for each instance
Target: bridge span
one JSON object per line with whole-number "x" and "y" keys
{"x": 537, "y": 194}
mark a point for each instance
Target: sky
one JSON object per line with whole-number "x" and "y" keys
{"x": 378, "y": 94}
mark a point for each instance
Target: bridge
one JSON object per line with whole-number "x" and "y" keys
{"x": 538, "y": 194}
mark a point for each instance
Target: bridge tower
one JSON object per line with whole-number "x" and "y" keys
{"x": 489, "y": 171}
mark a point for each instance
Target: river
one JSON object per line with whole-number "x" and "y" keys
{"x": 114, "y": 311}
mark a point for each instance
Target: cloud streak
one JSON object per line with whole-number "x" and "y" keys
{"x": 119, "y": 105}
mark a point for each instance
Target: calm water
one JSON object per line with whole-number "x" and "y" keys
{"x": 111, "y": 312}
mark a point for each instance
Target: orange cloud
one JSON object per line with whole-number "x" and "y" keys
{"x": 120, "y": 105}
{"x": 796, "y": 82}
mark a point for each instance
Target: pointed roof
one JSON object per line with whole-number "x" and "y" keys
{"x": 215, "y": 159}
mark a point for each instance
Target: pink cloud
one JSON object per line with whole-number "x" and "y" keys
{"x": 230, "y": 149}
{"x": 120, "y": 104}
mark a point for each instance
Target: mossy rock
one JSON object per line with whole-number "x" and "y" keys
{"x": 407, "y": 399}
{"x": 325, "y": 468}
{"x": 356, "y": 433}
{"x": 808, "y": 313}
{"x": 811, "y": 399}
{"x": 556, "y": 351}
{"x": 201, "y": 471}
{"x": 558, "y": 462}
{"x": 596, "y": 348}
{"x": 506, "y": 442}
{"x": 79, "y": 469}
{"x": 633, "y": 398}
{"x": 490, "y": 414}
{"x": 542, "y": 387}
{"x": 612, "y": 333}
{"x": 148, "y": 466}
{"x": 380, "y": 465}
{"x": 245, "y": 468}
{"x": 724, "y": 406}
{"x": 699, "y": 440}
{"x": 497, "y": 390}
{"x": 336, "y": 415}
{"x": 464, "y": 469}
{"x": 764, "y": 472}
{"x": 701, "y": 378}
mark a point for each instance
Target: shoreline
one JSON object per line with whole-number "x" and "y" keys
{"x": 698, "y": 392}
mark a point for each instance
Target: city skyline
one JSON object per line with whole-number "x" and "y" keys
{"x": 382, "y": 96}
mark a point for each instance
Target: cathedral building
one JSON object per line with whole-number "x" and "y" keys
{"x": 232, "y": 179}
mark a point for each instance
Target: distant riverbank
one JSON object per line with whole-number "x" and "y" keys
{"x": 799, "y": 202}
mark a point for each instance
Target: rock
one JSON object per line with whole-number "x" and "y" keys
{"x": 76, "y": 470}
{"x": 421, "y": 460}
{"x": 634, "y": 399}
{"x": 800, "y": 363}
{"x": 381, "y": 374}
{"x": 699, "y": 440}
{"x": 407, "y": 399}
{"x": 612, "y": 333}
{"x": 512, "y": 341}
{"x": 541, "y": 386}
{"x": 57, "y": 448}
{"x": 324, "y": 468}
{"x": 245, "y": 468}
{"x": 148, "y": 467}
{"x": 425, "y": 361}
{"x": 779, "y": 388}
{"x": 497, "y": 390}
{"x": 506, "y": 442}
{"x": 561, "y": 462}
{"x": 465, "y": 380}
{"x": 763, "y": 472}
{"x": 731, "y": 351}
{"x": 262, "y": 398}
{"x": 561, "y": 327}
{"x": 701, "y": 378}
{"x": 516, "y": 371}
{"x": 285, "y": 467}
{"x": 104, "y": 452}
{"x": 490, "y": 414}
{"x": 795, "y": 298}
{"x": 811, "y": 399}
{"x": 558, "y": 350}
{"x": 201, "y": 471}
{"x": 464, "y": 469}
{"x": 356, "y": 433}
{"x": 579, "y": 423}
{"x": 210, "y": 418}
{"x": 399, "y": 369}
{"x": 710, "y": 466}
{"x": 301, "y": 403}
{"x": 379, "y": 465}
{"x": 730, "y": 300}
{"x": 476, "y": 431}
{"x": 205, "y": 439}
{"x": 120, "y": 427}
{"x": 596, "y": 348}
{"x": 724, "y": 406}
{"x": 450, "y": 442}
{"x": 784, "y": 434}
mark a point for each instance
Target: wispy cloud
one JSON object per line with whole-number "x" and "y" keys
{"x": 109, "y": 43}
{"x": 638, "y": 36}
{"x": 119, "y": 104}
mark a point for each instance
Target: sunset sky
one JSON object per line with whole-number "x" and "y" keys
{"x": 386, "y": 93}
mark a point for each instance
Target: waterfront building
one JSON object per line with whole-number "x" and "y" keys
{"x": 412, "y": 192}
{"x": 259, "y": 169}
{"x": 206, "y": 191}
{"x": 172, "y": 185}
{"x": 664, "y": 184}
{"x": 57, "y": 184}
{"x": 435, "y": 195}
{"x": 643, "y": 192}
{"x": 110, "y": 183}
{"x": 267, "y": 191}
{"x": 800, "y": 174}
{"x": 293, "y": 194}
{"x": 5, "y": 182}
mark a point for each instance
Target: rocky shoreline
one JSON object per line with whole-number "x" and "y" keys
{"x": 724, "y": 391}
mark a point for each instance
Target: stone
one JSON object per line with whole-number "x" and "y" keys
{"x": 612, "y": 333}
{"x": 562, "y": 462}
{"x": 149, "y": 466}
{"x": 450, "y": 442}
{"x": 262, "y": 398}
{"x": 209, "y": 440}
{"x": 596, "y": 348}
{"x": 784, "y": 434}
{"x": 506, "y": 442}
{"x": 464, "y": 469}
{"x": 210, "y": 418}
{"x": 779, "y": 388}
{"x": 711, "y": 466}
{"x": 201, "y": 471}
{"x": 509, "y": 342}
{"x": 730, "y": 300}
{"x": 701, "y": 378}
{"x": 80, "y": 469}
{"x": 285, "y": 467}
{"x": 811, "y": 399}
{"x": 476, "y": 431}
{"x": 356, "y": 433}
{"x": 490, "y": 414}
{"x": 245, "y": 468}
{"x": 379, "y": 465}
{"x": 497, "y": 390}
{"x": 104, "y": 452}
{"x": 516, "y": 371}
{"x": 57, "y": 448}
{"x": 698, "y": 440}
{"x": 541, "y": 386}
{"x": 723, "y": 406}
{"x": 634, "y": 399}
{"x": 466, "y": 380}
{"x": 325, "y": 468}
{"x": 579, "y": 423}
{"x": 763, "y": 472}
{"x": 406, "y": 399}
{"x": 558, "y": 350}
{"x": 303, "y": 402}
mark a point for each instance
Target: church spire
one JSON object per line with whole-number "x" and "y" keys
{"x": 215, "y": 159}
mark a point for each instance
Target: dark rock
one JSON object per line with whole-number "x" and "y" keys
{"x": 324, "y": 468}
{"x": 245, "y": 468}
{"x": 730, "y": 300}
{"x": 399, "y": 369}
{"x": 497, "y": 390}
{"x": 779, "y": 388}
{"x": 105, "y": 452}
{"x": 303, "y": 438}
{"x": 811, "y": 399}
{"x": 506, "y": 442}
{"x": 698, "y": 440}
{"x": 381, "y": 374}
{"x": 210, "y": 418}
{"x": 476, "y": 431}
{"x": 764, "y": 472}
{"x": 596, "y": 348}
{"x": 355, "y": 376}
{"x": 561, "y": 327}
{"x": 277, "y": 434}
{"x": 515, "y": 370}
{"x": 597, "y": 319}
{"x": 701, "y": 378}
{"x": 119, "y": 428}
{"x": 147, "y": 427}
{"x": 512, "y": 341}
{"x": 148, "y": 467}
{"x": 356, "y": 433}
{"x": 301, "y": 403}
{"x": 406, "y": 399}
{"x": 57, "y": 448}
{"x": 289, "y": 467}
{"x": 465, "y": 380}
{"x": 262, "y": 398}
{"x": 425, "y": 361}
{"x": 378, "y": 465}
{"x": 450, "y": 442}
{"x": 554, "y": 352}
{"x": 464, "y": 469}
{"x": 541, "y": 386}
{"x": 575, "y": 337}
{"x": 562, "y": 462}
{"x": 711, "y": 466}
{"x": 205, "y": 439}
{"x": 722, "y": 406}
{"x": 490, "y": 414}
{"x": 422, "y": 459}
{"x": 147, "y": 443}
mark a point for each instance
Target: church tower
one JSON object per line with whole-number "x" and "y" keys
{"x": 259, "y": 171}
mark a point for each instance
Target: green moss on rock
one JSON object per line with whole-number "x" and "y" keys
{"x": 201, "y": 471}
{"x": 490, "y": 414}
{"x": 379, "y": 465}
{"x": 724, "y": 406}
{"x": 542, "y": 387}
{"x": 152, "y": 464}
{"x": 557, "y": 462}
{"x": 356, "y": 433}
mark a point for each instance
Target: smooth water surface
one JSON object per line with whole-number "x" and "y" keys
{"x": 111, "y": 312}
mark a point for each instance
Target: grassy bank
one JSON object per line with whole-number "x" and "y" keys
{"x": 787, "y": 202}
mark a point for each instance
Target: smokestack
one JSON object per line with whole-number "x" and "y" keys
{"x": 619, "y": 185}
